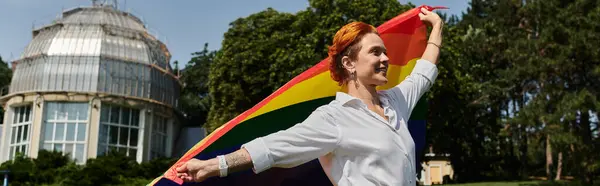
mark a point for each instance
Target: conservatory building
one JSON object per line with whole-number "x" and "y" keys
{"x": 92, "y": 81}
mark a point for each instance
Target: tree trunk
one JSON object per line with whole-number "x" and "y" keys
{"x": 523, "y": 152}
{"x": 514, "y": 141}
{"x": 524, "y": 143}
{"x": 548, "y": 157}
{"x": 572, "y": 148}
{"x": 559, "y": 166}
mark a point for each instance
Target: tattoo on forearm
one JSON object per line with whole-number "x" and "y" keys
{"x": 238, "y": 161}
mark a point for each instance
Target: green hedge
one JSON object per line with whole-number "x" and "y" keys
{"x": 54, "y": 168}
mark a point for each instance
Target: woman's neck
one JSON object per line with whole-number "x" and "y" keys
{"x": 368, "y": 94}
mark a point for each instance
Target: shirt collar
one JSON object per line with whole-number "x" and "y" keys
{"x": 345, "y": 98}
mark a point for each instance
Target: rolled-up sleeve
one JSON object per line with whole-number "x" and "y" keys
{"x": 314, "y": 137}
{"x": 416, "y": 84}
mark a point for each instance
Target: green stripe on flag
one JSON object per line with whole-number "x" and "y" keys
{"x": 285, "y": 118}
{"x": 268, "y": 123}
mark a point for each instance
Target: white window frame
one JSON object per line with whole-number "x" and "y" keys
{"x": 120, "y": 126}
{"x": 155, "y": 150}
{"x": 15, "y": 124}
{"x": 64, "y": 142}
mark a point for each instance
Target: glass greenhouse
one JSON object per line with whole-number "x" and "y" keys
{"x": 90, "y": 82}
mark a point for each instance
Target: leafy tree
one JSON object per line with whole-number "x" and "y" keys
{"x": 5, "y": 77}
{"x": 195, "y": 100}
{"x": 472, "y": 69}
{"x": 525, "y": 88}
{"x": 565, "y": 31}
{"x": 244, "y": 72}
{"x": 5, "y": 73}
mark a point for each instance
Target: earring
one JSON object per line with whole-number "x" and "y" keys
{"x": 354, "y": 78}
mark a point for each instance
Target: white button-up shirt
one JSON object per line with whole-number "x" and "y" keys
{"x": 365, "y": 148}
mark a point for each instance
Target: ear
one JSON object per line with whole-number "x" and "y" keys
{"x": 348, "y": 64}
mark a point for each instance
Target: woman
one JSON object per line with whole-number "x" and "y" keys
{"x": 361, "y": 137}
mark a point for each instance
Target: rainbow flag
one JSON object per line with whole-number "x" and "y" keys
{"x": 405, "y": 37}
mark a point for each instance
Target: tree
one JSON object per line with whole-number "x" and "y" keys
{"x": 5, "y": 77}
{"x": 527, "y": 87}
{"x": 557, "y": 73}
{"x": 474, "y": 73}
{"x": 265, "y": 50}
{"x": 244, "y": 71}
{"x": 195, "y": 99}
{"x": 5, "y": 73}
{"x": 565, "y": 42}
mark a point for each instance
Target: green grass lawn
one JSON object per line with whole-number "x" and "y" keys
{"x": 522, "y": 183}
{"x": 497, "y": 184}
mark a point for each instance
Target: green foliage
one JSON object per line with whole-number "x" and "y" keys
{"x": 21, "y": 170}
{"x": 518, "y": 73}
{"x": 49, "y": 161}
{"x": 523, "y": 183}
{"x": 53, "y": 168}
{"x": 5, "y": 73}
{"x": 155, "y": 167}
{"x": 195, "y": 101}
{"x": 5, "y": 77}
{"x": 107, "y": 169}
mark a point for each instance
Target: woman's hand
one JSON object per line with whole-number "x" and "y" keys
{"x": 432, "y": 51}
{"x": 430, "y": 18}
{"x": 196, "y": 170}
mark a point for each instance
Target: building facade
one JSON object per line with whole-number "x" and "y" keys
{"x": 90, "y": 82}
{"x": 437, "y": 169}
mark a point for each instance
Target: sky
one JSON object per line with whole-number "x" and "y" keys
{"x": 183, "y": 25}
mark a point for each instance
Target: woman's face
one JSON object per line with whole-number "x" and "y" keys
{"x": 371, "y": 62}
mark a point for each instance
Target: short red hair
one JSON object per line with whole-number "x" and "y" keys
{"x": 345, "y": 43}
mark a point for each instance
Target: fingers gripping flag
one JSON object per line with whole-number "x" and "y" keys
{"x": 405, "y": 37}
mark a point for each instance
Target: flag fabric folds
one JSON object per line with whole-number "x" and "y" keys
{"x": 405, "y": 37}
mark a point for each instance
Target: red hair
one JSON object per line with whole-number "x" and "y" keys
{"x": 345, "y": 43}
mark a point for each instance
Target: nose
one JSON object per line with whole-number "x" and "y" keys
{"x": 384, "y": 58}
